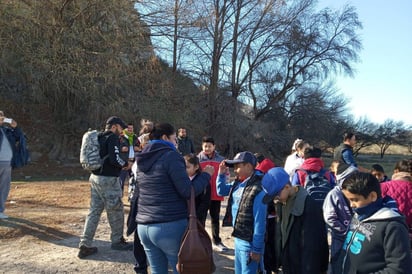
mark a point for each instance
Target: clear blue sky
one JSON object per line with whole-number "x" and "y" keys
{"x": 382, "y": 86}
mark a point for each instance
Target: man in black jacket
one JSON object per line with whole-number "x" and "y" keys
{"x": 184, "y": 144}
{"x": 106, "y": 191}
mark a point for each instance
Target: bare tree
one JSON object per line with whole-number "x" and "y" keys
{"x": 365, "y": 133}
{"x": 389, "y": 133}
{"x": 315, "y": 45}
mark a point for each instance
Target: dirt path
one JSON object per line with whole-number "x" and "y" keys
{"x": 42, "y": 235}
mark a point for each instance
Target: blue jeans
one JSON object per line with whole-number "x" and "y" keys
{"x": 242, "y": 263}
{"x": 5, "y": 179}
{"x": 161, "y": 242}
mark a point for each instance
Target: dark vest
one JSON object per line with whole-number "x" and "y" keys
{"x": 244, "y": 222}
{"x": 337, "y": 156}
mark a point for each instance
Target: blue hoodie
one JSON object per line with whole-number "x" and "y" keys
{"x": 164, "y": 186}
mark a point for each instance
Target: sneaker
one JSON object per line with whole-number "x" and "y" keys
{"x": 220, "y": 247}
{"x": 122, "y": 245}
{"x": 86, "y": 251}
{"x": 3, "y": 216}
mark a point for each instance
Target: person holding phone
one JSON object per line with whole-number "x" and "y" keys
{"x": 10, "y": 134}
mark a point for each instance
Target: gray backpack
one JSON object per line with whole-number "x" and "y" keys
{"x": 90, "y": 151}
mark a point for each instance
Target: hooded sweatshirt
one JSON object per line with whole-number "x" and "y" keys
{"x": 164, "y": 186}
{"x": 377, "y": 242}
{"x": 311, "y": 165}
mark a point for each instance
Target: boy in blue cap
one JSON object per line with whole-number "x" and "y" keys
{"x": 302, "y": 242}
{"x": 245, "y": 210}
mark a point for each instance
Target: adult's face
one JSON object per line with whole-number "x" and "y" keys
{"x": 117, "y": 129}
{"x": 182, "y": 132}
{"x": 130, "y": 128}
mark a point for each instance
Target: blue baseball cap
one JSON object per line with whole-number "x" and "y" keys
{"x": 242, "y": 157}
{"x": 273, "y": 182}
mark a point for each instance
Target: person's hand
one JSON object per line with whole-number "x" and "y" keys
{"x": 13, "y": 123}
{"x": 223, "y": 169}
{"x": 255, "y": 257}
{"x": 209, "y": 169}
{"x": 129, "y": 165}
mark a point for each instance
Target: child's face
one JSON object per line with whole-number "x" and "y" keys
{"x": 243, "y": 170}
{"x": 378, "y": 175}
{"x": 208, "y": 148}
{"x": 357, "y": 201}
{"x": 283, "y": 195}
{"x": 191, "y": 169}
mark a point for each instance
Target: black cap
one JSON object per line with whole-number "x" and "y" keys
{"x": 114, "y": 120}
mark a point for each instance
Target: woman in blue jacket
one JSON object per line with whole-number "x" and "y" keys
{"x": 164, "y": 188}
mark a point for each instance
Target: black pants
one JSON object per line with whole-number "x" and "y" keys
{"x": 214, "y": 211}
{"x": 269, "y": 258}
{"x": 139, "y": 254}
{"x": 138, "y": 250}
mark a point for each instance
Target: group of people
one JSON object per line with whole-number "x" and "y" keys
{"x": 368, "y": 216}
{"x": 278, "y": 224}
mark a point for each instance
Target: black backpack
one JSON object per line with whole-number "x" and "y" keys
{"x": 317, "y": 185}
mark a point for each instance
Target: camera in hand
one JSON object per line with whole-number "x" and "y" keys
{"x": 7, "y": 120}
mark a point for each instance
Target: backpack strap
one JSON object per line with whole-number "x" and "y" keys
{"x": 102, "y": 142}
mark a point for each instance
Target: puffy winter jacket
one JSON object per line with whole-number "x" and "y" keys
{"x": 401, "y": 192}
{"x": 164, "y": 186}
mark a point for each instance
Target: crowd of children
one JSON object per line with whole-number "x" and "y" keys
{"x": 279, "y": 224}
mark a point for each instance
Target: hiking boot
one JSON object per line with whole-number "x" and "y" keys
{"x": 86, "y": 251}
{"x": 122, "y": 245}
